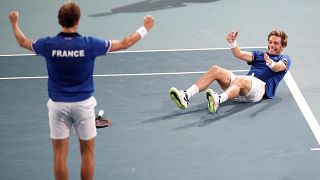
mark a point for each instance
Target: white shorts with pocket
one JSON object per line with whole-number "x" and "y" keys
{"x": 80, "y": 115}
{"x": 256, "y": 92}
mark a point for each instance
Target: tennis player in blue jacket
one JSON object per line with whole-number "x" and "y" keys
{"x": 267, "y": 70}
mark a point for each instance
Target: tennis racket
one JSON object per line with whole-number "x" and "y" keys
{"x": 100, "y": 122}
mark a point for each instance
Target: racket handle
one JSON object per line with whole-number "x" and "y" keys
{"x": 101, "y": 112}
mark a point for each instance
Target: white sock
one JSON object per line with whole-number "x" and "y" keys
{"x": 192, "y": 91}
{"x": 223, "y": 97}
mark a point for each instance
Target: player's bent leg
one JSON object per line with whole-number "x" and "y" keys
{"x": 87, "y": 154}
{"x": 255, "y": 93}
{"x": 60, "y": 153}
{"x": 179, "y": 97}
{"x": 222, "y": 76}
{"x": 213, "y": 100}
{"x": 241, "y": 86}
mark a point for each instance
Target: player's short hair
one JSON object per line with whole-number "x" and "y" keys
{"x": 69, "y": 14}
{"x": 281, "y": 34}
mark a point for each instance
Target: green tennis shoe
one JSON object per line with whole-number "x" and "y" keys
{"x": 179, "y": 97}
{"x": 213, "y": 100}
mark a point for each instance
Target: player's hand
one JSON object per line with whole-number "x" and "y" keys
{"x": 14, "y": 17}
{"x": 266, "y": 57}
{"x": 232, "y": 36}
{"x": 148, "y": 22}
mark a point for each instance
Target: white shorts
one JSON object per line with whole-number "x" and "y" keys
{"x": 80, "y": 115}
{"x": 256, "y": 92}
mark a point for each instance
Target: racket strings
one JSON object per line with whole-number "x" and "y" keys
{"x": 101, "y": 123}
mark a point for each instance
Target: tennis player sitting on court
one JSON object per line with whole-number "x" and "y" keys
{"x": 267, "y": 70}
{"x": 70, "y": 61}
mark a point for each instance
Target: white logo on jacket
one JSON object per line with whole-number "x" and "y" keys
{"x": 68, "y": 53}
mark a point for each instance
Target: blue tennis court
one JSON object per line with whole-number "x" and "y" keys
{"x": 150, "y": 138}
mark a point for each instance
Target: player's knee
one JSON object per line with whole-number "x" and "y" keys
{"x": 240, "y": 82}
{"x": 214, "y": 69}
{"x": 87, "y": 147}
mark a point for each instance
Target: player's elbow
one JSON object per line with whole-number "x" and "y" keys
{"x": 22, "y": 42}
{"x": 127, "y": 44}
{"x": 240, "y": 56}
{"x": 122, "y": 44}
{"x": 118, "y": 46}
{"x": 237, "y": 54}
{"x": 243, "y": 55}
{"x": 27, "y": 44}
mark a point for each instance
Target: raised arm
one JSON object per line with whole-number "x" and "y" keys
{"x": 236, "y": 51}
{"x": 134, "y": 37}
{"x": 22, "y": 40}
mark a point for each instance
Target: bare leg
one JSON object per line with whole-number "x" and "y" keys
{"x": 87, "y": 154}
{"x": 60, "y": 153}
{"x": 222, "y": 76}
{"x": 240, "y": 86}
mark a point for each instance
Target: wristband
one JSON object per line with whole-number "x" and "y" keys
{"x": 142, "y": 31}
{"x": 271, "y": 65}
{"x": 233, "y": 44}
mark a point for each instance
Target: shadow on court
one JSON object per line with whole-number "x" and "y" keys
{"x": 227, "y": 109}
{"x": 149, "y": 5}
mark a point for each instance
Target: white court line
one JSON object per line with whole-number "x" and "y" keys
{"x": 315, "y": 149}
{"x": 303, "y": 105}
{"x": 15, "y": 55}
{"x": 26, "y": 77}
{"x": 146, "y": 51}
{"x": 117, "y": 75}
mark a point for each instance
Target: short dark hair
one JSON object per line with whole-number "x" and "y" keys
{"x": 280, "y": 33}
{"x": 69, "y": 14}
